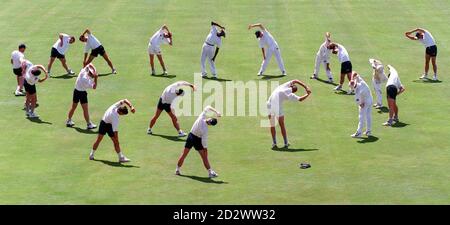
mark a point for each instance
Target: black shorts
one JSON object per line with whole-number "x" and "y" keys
{"x": 98, "y": 51}
{"x": 56, "y": 54}
{"x": 194, "y": 141}
{"x": 346, "y": 67}
{"x": 391, "y": 91}
{"x": 30, "y": 89}
{"x": 105, "y": 128}
{"x": 431, "y": 51}
{"x": 164, "y": 106}
{"x": 18, "y": 72}
{"x": 80, "y": 96}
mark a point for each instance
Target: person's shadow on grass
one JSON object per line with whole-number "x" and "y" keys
{"x": 399, "y": 124}
{"x": 84, "y": 131}
{"x": 368, "y": 139}
{"x": 115, "y": 164}
{"x": 216, "y": 79}
{"x": 383, "y": 109}
{"x": 268, "y": 77}
{"x": 169, "y": 76}
{"x": 64, "y": 76}
{"x": 104, "y": 74}
{"x": 427, "y": 81}
{"x": 38, "y": 120}
{"x": 326, "y": 81}
{"x": 288, "y": 149}
{"x": 204, "y": 179}
{"x": 170, "y": 138}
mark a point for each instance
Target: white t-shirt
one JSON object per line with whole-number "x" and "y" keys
{"x": 394, "y": 79}
{"x": 30, "y": 78}
{"x": 91, "y": 43}
{"x": 378, "y": 71}
{"x": 428, "y": 39}
{"x": 267, "y": 40}
{"x": 363, "y": 94}
{"x": 324, "y": 52}
{"x": 65, "y": 40}
{"x": 158, "y": 38}
{"x": 343, "y": 54}
{"x": 212, "y": 37}
{"x": 84, "y": 81}
{"x": 281, "y": 94}
{"x": 169, "y": 95}
{"x": 17, "y": 58}
{"x": 111, "y": 115}
{"x": 200, "y": 128}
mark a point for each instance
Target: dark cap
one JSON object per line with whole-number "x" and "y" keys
{"x": 123, "y": 110}
{"x": 22, "y": 46}
{"x": 258, "y": 34}
{"x": 213, "y": 121}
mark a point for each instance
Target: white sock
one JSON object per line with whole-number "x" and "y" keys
{"x": 120, "y": 154}
{"x": 92, "y": 152}
{"x": 178, "y": 168}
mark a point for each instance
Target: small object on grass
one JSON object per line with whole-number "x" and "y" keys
{"x": 304, "y": 165}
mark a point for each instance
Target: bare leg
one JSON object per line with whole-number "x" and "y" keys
{"x": 33, "y": 102}
{"x": 50, "y": 63}
{"x": 72, "y": 110}
{"x": 152, "y": 61}
{"x": 204, "y": 155}
{"x": 115, "y": 140}
{"x": 97, "y": 142}
{"x": 89, "y": 60}
{"x": 161, "y": 61}
{"x": 341, "y": 81}
{"x": 63, "y": 62}
{"x": 155, "y": 117}
{"x": 182, "y": 157}
{"x": 433, "y": 61}
{"x": 272, "y": 129}
{"x": 174, "y": 120}
{"x": 391, "y": 105}
{"x": 85, "y": 107}
{"x": 427, "y": 63}
{"x": 106, "y": 57}
{"x": 283, "y": 129}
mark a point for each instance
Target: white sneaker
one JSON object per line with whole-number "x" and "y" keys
{"x": 177, "y": 172}
{"x": 123, "y": 159}
{"x": 69, "y": 123}
{"x": 425, "y": 76}
{"x": 181, "y": 134}
{"x": 165, "y": 72}
{"x": 368, "y": 133}
{"x": 27, "y": 114}
{"x": 284, "y": 73}
{"x": 287, "y": 145}
{"x": 91, "y": 156}
{"x": 114, "y": 71}
{"x": 435, "y": 78}
{"x": 33, "y": 115}
{"x": 91, "y": 126}
{"x": 387, "y": 123}
{"x": 351, "y": 92}
{"x": 260, "y": 74}
{"x": 356, "y": 135}
{"x": 313, "y": 77}
{"x": 274, "y": 145}
{"x": 214, "y": 76}
{"x": 70, "y": 72}
{"x": 338, "y": 88}
{"x": 19, "y": 93}
{"x": 204, "y": 75}
{"x": 212, "y": 174}
{"x": 153, "y": 73}
{"x": 149, "y": 131}
{"x": 378, "y": 106}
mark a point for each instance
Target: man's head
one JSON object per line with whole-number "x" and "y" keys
{"x": 82, "y": 38}
{"x": 258, "y": 34}
{"x": 123, "y": 110}
{"x": 168, "y": 35}
{"x": 211, "y": 121}
{"x": 179, "y": 92}
{"x": 36, "y": 72}
{"x": 294, "y": 88}
{"x": 72, "y": 39}
{"x": 419, "y": 35}
{"x": 22, "y": 48}
{"x": 221, "y": 33}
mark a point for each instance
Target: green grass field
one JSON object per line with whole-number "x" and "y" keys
{"x": 47, "y": 163}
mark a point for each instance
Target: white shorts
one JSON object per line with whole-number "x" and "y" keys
{"x": 273, "y": 110}
{"x": 154, "y": 50}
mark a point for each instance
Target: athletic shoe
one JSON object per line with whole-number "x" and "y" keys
{"x": 204, "y": 75}
{"x": 435, "y": 78}
{"x": 313, "y": 77}
{"x": 351, "y": 92}
{"x": 425, "y": 76}
{"x": 387, "y": 123}
{"x": 287, "y": 145}
{"x": 69, "y": 123}
{"x": 330, "y": 81}
{"x": 70, "y": 72}
{"x": 123, "y": 159}
{"x": 177, "y": 172}
{"x": 260, "y": 74}
{"x": 338, "y": 88}
{"x": 153, "y": 73}
{"x": 181, "y": 134}
{"x": 368, "y": 133}
{"x": 356, "y": 135}
{"x": 395, "y": 120}
{"x": 91, "y": 156}
{"x": 212, "y": 174}
{"x": 378, "y": 106}
{"x": 274, "y": 145}
{"x": 19, "y": 93}
{"x": 114, "y": 71}
{"x": 284, "y": 73}
{"x": 214, "y": 76}
{"x": 33, "y": 115}
{"x": 27, "y": 114}
{"x": 165, "y": 72}
{"x": 149, "y": 131}
{"x": 91, "y": 126}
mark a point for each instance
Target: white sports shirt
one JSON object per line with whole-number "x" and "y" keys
{"x": 30, "y": 78}
{"x": 111, "y": 115}
{"x": 169, "y": 95}
{"x": 324, "y": 52}
{"x": 343, "y": 54}
{"x": 428, "y": 39}
{"x": 91, "y": 43}
{"x": 212, "y": 37}
{"x": 362, "y": 93}
{"x": 394, "y": 79}
{"x": 17, "y": 58}
{"x": 378, "y": 71}
{"x": 84, "y": 81}
{"x": 281, "y": 94}
{"x": 158, "y": 38}
{"x": 200, "y": 128}
{"x": 267, "y": 40}
{"x": 65, "y": 40}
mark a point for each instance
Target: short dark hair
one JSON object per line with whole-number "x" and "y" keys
{"x": 213, "y": 121}
{"x": 123, "y": 110}
{"x": 179, "y": 91}
{"x": 221, "y": 33}
{"x": 258, "y": 34}
{"x": 81, "y": 37}
{"x": 36, "y": 72}
{"x": 418, "y": 35}
{"x": 22, "y": 46}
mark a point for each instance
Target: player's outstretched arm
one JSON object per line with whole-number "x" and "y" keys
{"x": 87, "y": 31}
{"x": 210, "y": 108}
{"x": 128, "y": 103}
{"x": 260, "y": 25}
{"x": 216, "y": 24}
{"x": 42, "y": 68}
